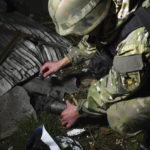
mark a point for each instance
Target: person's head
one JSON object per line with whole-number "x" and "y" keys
{"x": 77, "y": 17}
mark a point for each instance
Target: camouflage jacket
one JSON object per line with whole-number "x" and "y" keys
{"x": 115, "y": 86}
{"x": 119, "y": 13}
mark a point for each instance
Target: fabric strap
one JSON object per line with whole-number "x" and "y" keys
{"x": 140, "y": 18}
{"x": 127, "y": 64}
{"x": 143, "y": 15}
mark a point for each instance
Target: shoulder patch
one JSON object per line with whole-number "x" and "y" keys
{"x": 128, "y": 64}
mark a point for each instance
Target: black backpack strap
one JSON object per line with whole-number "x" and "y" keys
{"x": 140, "y": 18}
{"x": 130, "y": 25}
{"x": 143, "y": 16}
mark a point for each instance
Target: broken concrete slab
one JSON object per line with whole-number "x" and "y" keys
{"x": 27, "y": 50}
{"x": 48, "y": 94}
{"x": 14, "y": 107}
{"x": 48, "y": 104}
{"x": 52, "y": 86}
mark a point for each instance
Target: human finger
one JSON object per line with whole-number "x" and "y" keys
{"x": 68, "y": 103}
{"x": 63, "y": 113}
{"x": 45, "y": 66}
{"x": 47, "y": 73}
{"x": 69, "y": 125}
{"x": 63, "y": 122}
{"x": 64, "y": 118}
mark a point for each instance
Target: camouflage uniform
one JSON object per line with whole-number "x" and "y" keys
{"x": 111, "y": 95}
{"x": 125, "y": 115}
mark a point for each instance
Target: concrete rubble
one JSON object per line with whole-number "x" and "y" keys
{"x": 25, "y": 45}
{"x": 14, "y": 107}
{"x": 34, "y": 46}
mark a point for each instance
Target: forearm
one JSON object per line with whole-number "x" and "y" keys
{"x": 81, "y": 52}
{"x": 63, "y": 62}
{"x": 51, "y": 67}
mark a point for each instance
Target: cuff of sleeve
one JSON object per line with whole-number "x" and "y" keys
{"x": 69, "y": 57}
{"x": 79, "y": 108}
{"x": 73, "y": 55}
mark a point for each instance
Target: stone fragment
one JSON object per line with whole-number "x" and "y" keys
{"x": 14, "y": 107}
{"x": 52, "y": 86}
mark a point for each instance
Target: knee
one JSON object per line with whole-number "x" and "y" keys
{"x": 120, "y": 122}
{"x": 115, "y": 121}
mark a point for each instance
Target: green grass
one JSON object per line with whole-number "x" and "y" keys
{"x": 19, "y": 139}
{"x": 95, "y": 137}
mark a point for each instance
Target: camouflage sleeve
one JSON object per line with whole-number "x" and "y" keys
{"x": 81, "y": 52}
{"x": 116, "y": 86}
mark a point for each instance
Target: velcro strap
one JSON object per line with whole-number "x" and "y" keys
{"x": 128, "y": 64}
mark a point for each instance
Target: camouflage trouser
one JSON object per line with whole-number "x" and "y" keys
{"x": 119, "y": 94}
{"x": 128, "y": 116}
{"x": 131, "y": 116}
{"x": 128, "y": 112}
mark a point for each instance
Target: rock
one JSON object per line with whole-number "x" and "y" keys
{"x": 52, "y": 86}
{"x": 14, "y": 107}
{"x": 38, "y": 86}
{"x": 48, "y": 94}
{"x": 24, "y": 52}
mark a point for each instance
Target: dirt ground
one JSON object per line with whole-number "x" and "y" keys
{"x": 97, "y": 135}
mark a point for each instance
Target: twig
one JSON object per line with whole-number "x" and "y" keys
{"x": 74, "y": 99}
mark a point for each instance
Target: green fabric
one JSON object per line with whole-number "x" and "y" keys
{"x": 131, "y": 116}
{"x": 116, "y": 87}
{"x": 112, "y": 94}
{"x": 119, "y": 12}
{"x": 76, "y": 16}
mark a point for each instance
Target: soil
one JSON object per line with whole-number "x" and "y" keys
{"x": 97, "y": 135}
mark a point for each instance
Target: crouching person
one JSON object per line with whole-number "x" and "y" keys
{"x": 107, "y": 25}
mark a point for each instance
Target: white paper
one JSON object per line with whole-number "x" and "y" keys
{"x": 47, "y": 139}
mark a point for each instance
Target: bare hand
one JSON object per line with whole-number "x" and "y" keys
{"x": 50, "y": 67}
{"x": 69, "y": 115}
